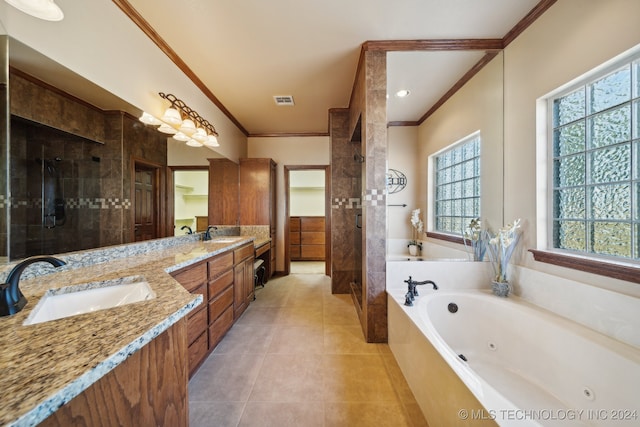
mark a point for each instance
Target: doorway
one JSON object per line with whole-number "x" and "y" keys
{"x": 307, "y": 234}
{"x": 146, "y": 201}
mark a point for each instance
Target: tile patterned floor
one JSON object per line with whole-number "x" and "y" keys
{"x": 297, "y": 357}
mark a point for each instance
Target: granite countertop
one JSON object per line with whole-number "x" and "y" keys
{"x": 47, "y": 364}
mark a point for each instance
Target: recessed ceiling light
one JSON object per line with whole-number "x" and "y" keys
{"x": 403, "y": 93}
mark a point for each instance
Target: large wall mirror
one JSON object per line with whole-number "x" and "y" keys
{"x": 71, "y": 156}
{"x": 476, "y": 107}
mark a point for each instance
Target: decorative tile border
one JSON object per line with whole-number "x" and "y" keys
{"x": 372, "y": 197}
{"x": 346, "y": 203}
{"x": 375, "y": 197}
{"x": 72, "y": 203}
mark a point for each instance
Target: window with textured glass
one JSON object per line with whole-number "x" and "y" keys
{"x": 596, "y": 174}
{"x": 457, "y": 186}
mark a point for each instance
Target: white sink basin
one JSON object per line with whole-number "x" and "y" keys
{"x": 225, "y": 239}
{"x": 89, "y": 297}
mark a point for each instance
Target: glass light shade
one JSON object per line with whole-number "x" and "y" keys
{"x": 200, "y": 135}
{"x": 43, "y": 9}
{"x": 212, "y": 141}
{"x": 187, "y": 127}
{"x": 172, "y": 117}
{"x": 165, "y": 128}
{"x": 181, "y": 137}
{"x": 148, "y": 119}
{"x": 193, "y": 143}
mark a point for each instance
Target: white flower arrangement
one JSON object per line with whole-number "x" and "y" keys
{"x": 501, "y": 247}
{"x": 477, "y": 238}
{"x": 417, "y": 225}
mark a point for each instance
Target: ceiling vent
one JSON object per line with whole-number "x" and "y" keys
{"x": 286, "y": 100}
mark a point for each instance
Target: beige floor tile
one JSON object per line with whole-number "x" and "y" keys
{"x": 225, "y": 377}
{"x": 350, "y": 414}
{"x": 221, "y": 414}
{"x": 341, "y": 339}
{"x": 297, "y": 357}
{"x": 356, "y": 378}
{"x": 256, "y": 315}
{"x": 278, "y": 414}
{"x": 297, "y": 340}
{"x": 340, "y": 315}
{"x": 300, "y": 316}
{"x": 289, "y": 378}
{"x": 246, "y": 338}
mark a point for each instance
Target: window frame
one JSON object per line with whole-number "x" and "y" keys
{"x": 627, "y": 269}
{"x": 433, "y": 173}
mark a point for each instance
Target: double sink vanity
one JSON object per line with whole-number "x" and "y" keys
{"x": 126, "y": 359}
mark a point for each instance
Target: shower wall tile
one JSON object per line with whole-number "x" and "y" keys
{"x": 95, "y": 153}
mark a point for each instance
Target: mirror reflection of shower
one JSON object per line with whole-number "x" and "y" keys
{"x": 53, "y": 203}
{"x": 58, "y": 183}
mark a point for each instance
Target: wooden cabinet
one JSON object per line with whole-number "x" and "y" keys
{"x": 243, "y": 289}
{"x": 307, "y": 238}
{"x": 194, "y": 280}
{"x": 207, "y": 324}
{"x": 223, "y": 192}
{"x": 202, "y": 222}
{"x": 258, "y": 203}
{"x": 149, "y": 388}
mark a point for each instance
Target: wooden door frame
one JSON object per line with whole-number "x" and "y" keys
{"x": 327, "y": 214}
{"x": 159, "y": 198}
{"x": 170, "y": 202}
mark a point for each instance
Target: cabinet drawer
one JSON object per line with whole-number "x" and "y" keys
{"x": 243, "y": 253}
{"x": 294, "y": 238}
{"x": 218, "y": 305}
{"x": 220, "y": 327}
{"x": 221, "y": 282}
{"x": 294, "y": 251}
{"x": 312, "y": 238}
{"x": 220, "y": 264}
{"x": 294, "y": 224}
{"x": 312, "y": 251}
{"x": 196, "y": 325}
{"x": 202, "y": 290}
{"x": 192, "y": 277}
{"x": 197, "y": 351}
{"x": 312, "y": 223}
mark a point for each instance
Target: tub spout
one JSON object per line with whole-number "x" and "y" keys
{"x": 411, "y": 284}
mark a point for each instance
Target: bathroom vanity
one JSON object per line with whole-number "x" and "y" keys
{"x": 126, "y": 365}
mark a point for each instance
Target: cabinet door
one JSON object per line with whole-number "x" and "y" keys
{"x": 249, "y": 283}
{"x": 239, "y": 295}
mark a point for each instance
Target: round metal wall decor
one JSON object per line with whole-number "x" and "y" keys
{"x": 396, "y": 181}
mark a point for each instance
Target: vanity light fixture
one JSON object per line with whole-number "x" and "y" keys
{"x": 403, "y": 93}
{"x": 43, "y": 9}
{"x": 184, "y": 123}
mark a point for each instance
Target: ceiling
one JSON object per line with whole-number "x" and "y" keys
{"x": 248, "y": 51}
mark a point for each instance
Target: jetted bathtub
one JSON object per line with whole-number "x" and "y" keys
{"x": 525, "y": 365}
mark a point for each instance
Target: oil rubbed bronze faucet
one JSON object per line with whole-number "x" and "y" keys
{"x": 11, "y": 299}
{"x": 412, "y": 292}
{"x": 207, "y": 234}
{"x": 186, "y": 227}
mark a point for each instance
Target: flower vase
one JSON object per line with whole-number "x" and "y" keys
{"x": 501, "y": 289}
{"x": 413, "y": 250}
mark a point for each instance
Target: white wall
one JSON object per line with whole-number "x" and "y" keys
{"x": 476, "y": 106}
{"x": 99, "y": 42}
{"x": 402, "y": 145}
{"x": 290, "y": 151}
{"x": 306, "y": 192}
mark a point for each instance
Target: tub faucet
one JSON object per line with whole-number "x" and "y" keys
{"x": 11, "y": 299}
{"x": 413, "y": 291}
{"x": 207, "y": 234}
{"x": 186, "y": 227}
